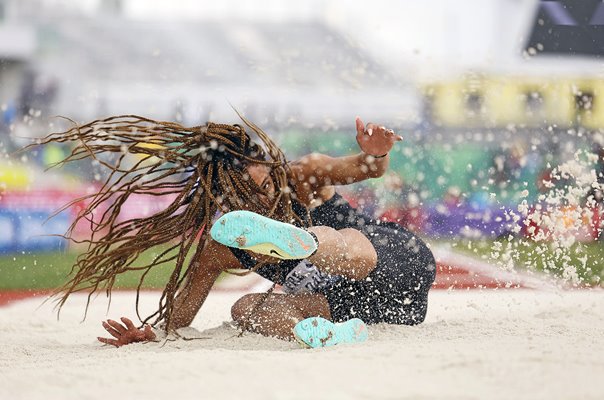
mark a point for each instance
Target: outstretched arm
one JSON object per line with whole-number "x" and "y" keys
{"x": 319, "y": 170}
{"x": 214, "y": 259}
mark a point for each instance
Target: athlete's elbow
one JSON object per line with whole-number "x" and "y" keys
{"x": 376, "y": 171}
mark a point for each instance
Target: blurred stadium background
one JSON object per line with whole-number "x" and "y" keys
{"x": 490, "y": 95}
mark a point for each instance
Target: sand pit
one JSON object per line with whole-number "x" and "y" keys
{"x": 474, "y": 344}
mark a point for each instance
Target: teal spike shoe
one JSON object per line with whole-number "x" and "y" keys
{"x": 250, "y": 231}
{"x": 319, "y": 332}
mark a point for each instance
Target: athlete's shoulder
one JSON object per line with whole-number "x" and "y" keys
{"x": 309, "y": 165}
{"x": 312, "y": 160}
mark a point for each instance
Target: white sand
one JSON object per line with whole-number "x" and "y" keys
{"x": 474, "y": 345}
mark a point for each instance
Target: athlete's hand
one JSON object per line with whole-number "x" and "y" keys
{"x": 374, "y": 139}
{"x": 126, "y": 333}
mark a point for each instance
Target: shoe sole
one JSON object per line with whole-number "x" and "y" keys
{"x": 319, "y": 332}
{"x": 250, "y": 231}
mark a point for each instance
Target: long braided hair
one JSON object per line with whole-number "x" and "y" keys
{"x": 202, "y": 167}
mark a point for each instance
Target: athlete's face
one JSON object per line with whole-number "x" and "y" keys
{"x": 261, "y": 175}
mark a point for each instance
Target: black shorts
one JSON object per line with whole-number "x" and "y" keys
{"x": 396, "y": 291}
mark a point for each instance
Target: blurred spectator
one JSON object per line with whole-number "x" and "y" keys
{"x": 400, "y": 204}
{"x": 545, "y": 180}
{"x": 9, "y": 114}
{"x": 367, "y": 201}
{"x": 508, "y": 164}
{"x": 453, "y": 198}
{"x": 37, "y": 93}
{"x": 595, "y": 196}
{"x": 599, "y": 169}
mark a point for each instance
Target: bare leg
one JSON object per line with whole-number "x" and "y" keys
{"x": 346, "y": 252}
{"x": 276, "y": 314}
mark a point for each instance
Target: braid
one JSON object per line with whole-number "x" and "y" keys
{"x": 202, "y": 168}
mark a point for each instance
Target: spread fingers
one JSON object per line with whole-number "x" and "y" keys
{"x": 116, "y": 334}
{"x": 111, "y": 342}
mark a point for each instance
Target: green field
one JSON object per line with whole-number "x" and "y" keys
{"x": 50, "y": 270}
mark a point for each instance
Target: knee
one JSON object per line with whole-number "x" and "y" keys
{"x": 243, "y": 307}
{"x": 329, "y": 238}
{"x": 360, "y": 249}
